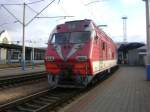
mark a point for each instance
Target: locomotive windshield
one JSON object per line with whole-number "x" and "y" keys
{"x": 60, "y": 38}
{"x": 70, "y": 37}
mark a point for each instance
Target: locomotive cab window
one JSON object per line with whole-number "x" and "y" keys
{"x": 59, "y": 38}
{"x": 79, "y": 37}
{"x": 70, "y": 37}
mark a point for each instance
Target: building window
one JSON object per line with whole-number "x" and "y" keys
{"x": 15, "y": 55}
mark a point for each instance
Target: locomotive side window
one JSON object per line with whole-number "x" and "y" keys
{"x": 113, "y": 55}
{"x": 103, "y": 45}
{"x": 79, "y": 37}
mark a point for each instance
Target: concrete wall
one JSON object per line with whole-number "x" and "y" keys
{"x": 3, "y": 55}
{"x": 133, "y": 57}
{"x": 4, "y": 38}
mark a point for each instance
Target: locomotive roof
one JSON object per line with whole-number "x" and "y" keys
{"x": 79, "y": 20}
{"x": 88, "y": 21}
{"x": 75, "y": 25}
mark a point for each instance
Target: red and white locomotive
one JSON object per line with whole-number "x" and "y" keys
{"x": 78, "y": 51}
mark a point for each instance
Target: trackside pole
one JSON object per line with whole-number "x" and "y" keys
{"x": 148, "y": 71}
{"x": 33, "y": 64}
{"x": 148, "y": 39}
{"x": 23, "y": 40}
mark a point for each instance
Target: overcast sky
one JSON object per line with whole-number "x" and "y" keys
{"x": 107, "y": 12}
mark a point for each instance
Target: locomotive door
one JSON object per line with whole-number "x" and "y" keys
{"x": 99, "y": 57}
{"x": 101, "y": 54}
{"x": 99, "y": 44}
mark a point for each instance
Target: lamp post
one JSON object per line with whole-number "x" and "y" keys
{"x": 23, "y": 39}
{"x": 31, "y": 44}
{"x": 148, "y": 39}
{"x": 124, "y": 29}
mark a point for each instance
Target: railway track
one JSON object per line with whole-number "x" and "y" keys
{"x": 48, "y": 100}
{"x": 44, "y": 101}
{"x": 14, "y": 80}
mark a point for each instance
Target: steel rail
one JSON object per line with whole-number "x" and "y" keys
{"x": 19, "y": 79}
{"x": 39, "y": 102}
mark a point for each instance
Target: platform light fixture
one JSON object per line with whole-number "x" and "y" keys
{"x": 102, "y": 25}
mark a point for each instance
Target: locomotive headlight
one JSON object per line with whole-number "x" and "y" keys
{"x": 81, "y": 58}
{"x": 50, "y": 58}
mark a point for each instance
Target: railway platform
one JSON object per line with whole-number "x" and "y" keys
{"x": 127, "y": 90}
{"x": 18, "y": 70}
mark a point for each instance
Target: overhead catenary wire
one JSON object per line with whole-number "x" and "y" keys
{"x": 11, "y": 14}
{"x": 8, "y": 23}
{"x": 90, "y": 12}
{"x": 56, "y": 17}
{"x": 27, "y": 5}
{"x": 22, "y": 3}
{"x": 24, "y": 25}
{"x": 11, "y": 4}
{"x": 3, "y": 6}
{"x": 91, "y": 2}
{"x": 65, "y": 12}
{"x": 39, "y": 12}
{"x": 32, "y": 9}
{"x": 38, "y": 1}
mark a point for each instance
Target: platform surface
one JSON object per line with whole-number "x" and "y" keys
{"x": 127, "y": 90}
{"x": 18, "y": 70}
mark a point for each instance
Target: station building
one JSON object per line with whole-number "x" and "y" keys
{"x": 133, "y": 53}
{"x": 11, "y": 53}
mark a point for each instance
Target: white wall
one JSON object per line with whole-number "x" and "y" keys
{"x": 3, "y": 55}
{"x": 3, "y": 52}
{"x": 5, "y": 35}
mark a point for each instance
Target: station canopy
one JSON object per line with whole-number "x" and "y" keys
{"x": 14, "y": 46}
{"x": 130, "y": 46}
